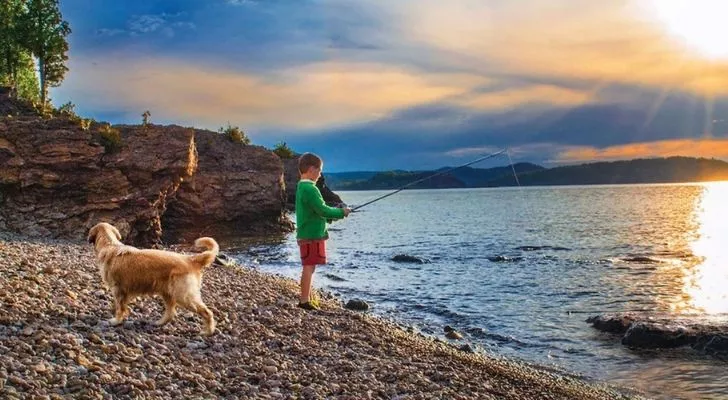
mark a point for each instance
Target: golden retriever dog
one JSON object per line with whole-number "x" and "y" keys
{"x": 130, "y": 272}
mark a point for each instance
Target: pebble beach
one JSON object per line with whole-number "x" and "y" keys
{"x": 55, "y": 343}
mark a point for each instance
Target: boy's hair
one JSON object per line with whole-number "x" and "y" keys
{"x": 307, "y": 161}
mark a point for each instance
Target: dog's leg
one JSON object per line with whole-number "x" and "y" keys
{"x": 169, "y": 310}
{"x": 122, "y": 311}
{"x": 196, "y": 305}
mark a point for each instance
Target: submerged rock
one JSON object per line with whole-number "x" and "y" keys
{"x": 708, "y": 335}
{"x": 406, "y": 258}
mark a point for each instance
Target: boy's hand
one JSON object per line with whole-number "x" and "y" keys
{"x": 347, "y": 211}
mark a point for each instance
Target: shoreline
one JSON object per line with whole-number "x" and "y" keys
{"x": 55, "y": 342}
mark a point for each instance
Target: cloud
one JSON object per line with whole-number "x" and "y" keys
{"x": 312, "y": 97}
{"x": 709, "y": 148}
{"x": 604, "y": 42}
{"x": 138, "y": 25}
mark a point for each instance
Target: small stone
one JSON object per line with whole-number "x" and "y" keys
{"x": 270, "y": 369}
{"x": 357, "y": 305}
{"x": 28, "y": 331}
{"x": 453, "y": 335}
{"x": 71, "y": 294}
{"x": 40, "y": 367}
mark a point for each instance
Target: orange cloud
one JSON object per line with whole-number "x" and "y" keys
{"x": 709, "y": 148}
{"x": 313, "y": 96}
{"x": 617, "y": 41}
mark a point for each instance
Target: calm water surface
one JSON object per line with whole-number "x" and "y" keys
{"x": 520, "y": 269}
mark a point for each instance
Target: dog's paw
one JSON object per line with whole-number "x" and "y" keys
{"x": 115, "y": 322}
{"x": 160, "y": 322}
{"x": 208, "y": 331}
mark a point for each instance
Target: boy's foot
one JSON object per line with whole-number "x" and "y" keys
{"x": 315, "y": 303}
{"x": 309, "y": 306}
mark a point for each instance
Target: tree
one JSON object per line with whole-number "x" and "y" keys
{"x": 11, "y": 51}
{"x": 25, "y": 85}
{"x": 44, "y": 32}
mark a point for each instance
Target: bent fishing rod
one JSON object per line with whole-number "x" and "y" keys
{"x": 429, "y": 177}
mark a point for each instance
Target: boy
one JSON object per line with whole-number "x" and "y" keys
{"x": 312, "y": 214}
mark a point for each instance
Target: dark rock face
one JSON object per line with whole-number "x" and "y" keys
{"x": 708, "y": 335}
{"x": 57, "y": 180}
{"x": 236, "y": 190}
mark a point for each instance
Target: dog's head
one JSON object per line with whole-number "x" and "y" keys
{"x": 105, "y": 230}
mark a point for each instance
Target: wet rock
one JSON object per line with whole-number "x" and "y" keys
{"x": 406, "y": 258}
{"x": 357, "y": 305}
{"x": 613, "y": 323}
{"x": 454, "y": 335}
{"x": 651, "y": 335}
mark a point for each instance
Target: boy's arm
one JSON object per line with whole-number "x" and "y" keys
{"x": 316, "y": 201}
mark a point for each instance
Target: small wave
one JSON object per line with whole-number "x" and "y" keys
{"x": 641, "y": 260}
{"x": 500, "y": 259}
{"x": 537, "y": 248}
{"x": 335, "y": 278}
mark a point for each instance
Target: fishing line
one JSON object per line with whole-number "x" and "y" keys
{"x": 428, "y": 178}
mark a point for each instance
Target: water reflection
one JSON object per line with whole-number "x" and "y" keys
{"x": 706, "y": 283}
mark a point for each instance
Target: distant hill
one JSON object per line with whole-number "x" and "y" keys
{"x": 461, "y": 178}
{"x": 652, "y": 170}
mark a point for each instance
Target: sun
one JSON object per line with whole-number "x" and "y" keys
{"x": 699, "y": 24}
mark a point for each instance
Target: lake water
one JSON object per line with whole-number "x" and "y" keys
{"x": 520, "y": 269}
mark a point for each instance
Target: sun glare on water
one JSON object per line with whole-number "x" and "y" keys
{"x": 706, "y": 284}
{"x": 699, "y": 24}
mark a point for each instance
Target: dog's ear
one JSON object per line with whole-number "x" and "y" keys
{"x": 92, "y": 234}
{"x": 116, "y": 232}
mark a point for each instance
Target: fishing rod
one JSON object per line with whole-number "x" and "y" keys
{"x": 429, "y": 177}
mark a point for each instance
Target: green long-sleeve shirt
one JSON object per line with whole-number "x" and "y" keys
{"x": 312, "y": 212}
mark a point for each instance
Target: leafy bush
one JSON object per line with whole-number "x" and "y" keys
{"x": 235, "y": 134}
{"x": 68, "y": 109}
{"x": 110, "y": 138}
{"x": 283, "y": 151}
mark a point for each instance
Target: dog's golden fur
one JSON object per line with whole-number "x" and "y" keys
{"x": 130, "y": 272}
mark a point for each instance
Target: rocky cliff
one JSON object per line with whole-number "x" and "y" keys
{"x": 57, "y": 180}
{"x": 235, "y": 189}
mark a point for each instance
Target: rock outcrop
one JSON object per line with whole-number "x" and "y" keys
{"x": 58, "y": 180}
{"x": 236, "y": 189}
{"x": 708, "y": 335}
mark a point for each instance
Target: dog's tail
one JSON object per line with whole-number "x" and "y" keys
{"x": 207, "y": 257}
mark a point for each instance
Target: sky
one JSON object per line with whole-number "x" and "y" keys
{"x": 413, "y": 84}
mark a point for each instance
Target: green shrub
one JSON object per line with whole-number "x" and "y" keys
{"x": 283, "y": 151}
{"x": 68, "y": 109}
{"x": 235, "y": 134}
{"x": 110, "y": 138}
{"x": 145, "y": 118}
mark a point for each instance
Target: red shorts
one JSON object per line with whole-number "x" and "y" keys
{"x": 313, "y": 252}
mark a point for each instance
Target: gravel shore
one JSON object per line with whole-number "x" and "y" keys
{"x": 55, "y": 343}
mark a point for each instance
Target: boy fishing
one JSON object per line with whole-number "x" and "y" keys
{"x": 312, "y": 214}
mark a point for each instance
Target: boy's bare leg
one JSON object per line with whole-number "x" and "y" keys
{"x": 306, "y": 278}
